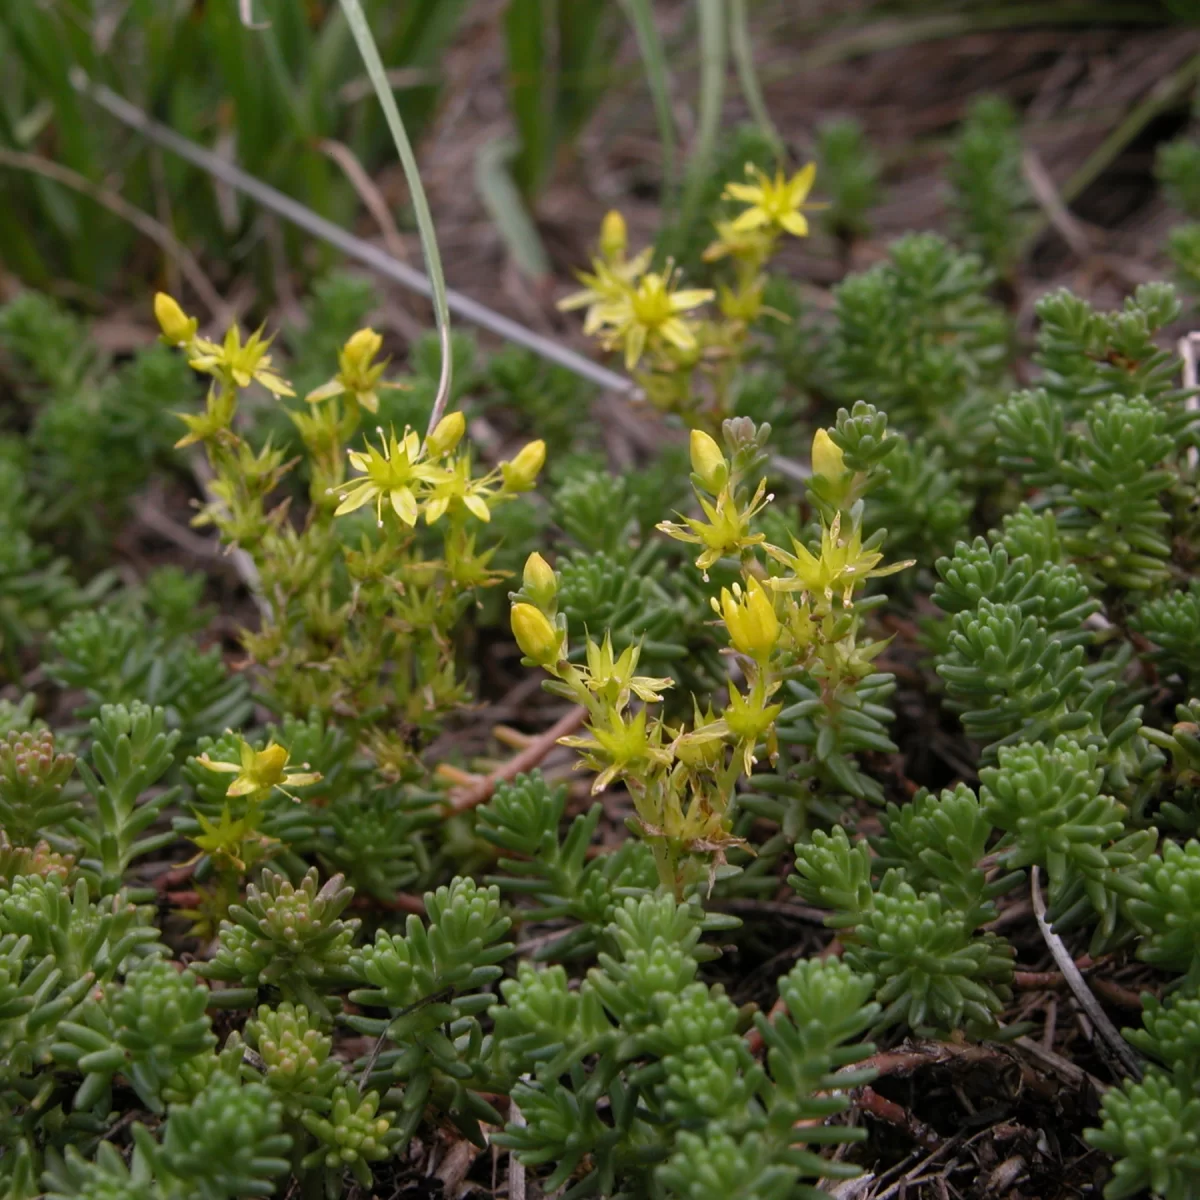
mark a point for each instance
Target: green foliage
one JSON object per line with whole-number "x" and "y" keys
{"x": 1153, "y": 1130}
{"x": 205, "y": 988}
{"x": 988, "y": 186}
{"x": 934, "y": 970}
{"x": 1087, "y": 355}
{"x": 682, "y": 1088}
{"x": 1183, "y": 248}
{"x": 1047, "y": 800}
{"x": 145, "y": 1029}
{"x": 32, "y": 776}
{"x": 849, "y": 171}
{"x": 523, "y": 818}
{"x": 286, "y": 938}
{"x": 1168, "y": 909}
{"x": 918, "y": 337}
{"x": 1177, "y": 166}
{"x": 118, "y": 655}
{"x": 431, "y": 979}
{"x": 1172, "y": 623}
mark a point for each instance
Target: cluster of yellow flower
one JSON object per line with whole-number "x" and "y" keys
{"x": 332, "y": 637}
{"x": 410, "y": 474}
{"x": 654, "y": 321}
{"x": 790, "y": 613}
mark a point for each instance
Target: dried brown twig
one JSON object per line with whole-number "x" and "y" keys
{"x": 481, "y": 791}
{"x": 1120, "y": 1054}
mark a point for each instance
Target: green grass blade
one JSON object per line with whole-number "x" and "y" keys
{"x": 743, "y": 57}
{"x": 503, "y": 199}
{"x": 587, "y": 39}
{"x": 654, "y": 62}
{"x": 429, "y": 247}
{"x": 714, "y": 56}
{"x": 529, "y": 89}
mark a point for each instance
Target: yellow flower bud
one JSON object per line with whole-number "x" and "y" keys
{"x": 708, "y": 462}
{"x": 446, "y": 435}
{"x": 178, "y": 328}
{"x": 521, "y": 474}
{"x": 613, "y": 236}
{"x": 827, "y": 458}
{"x": 539, "y": 580}
{"x": 362, "y": 347}
{"x": 534, "y": 633}
{"x": 750, "y": 618}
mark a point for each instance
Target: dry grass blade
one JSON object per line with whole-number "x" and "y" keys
{"x": 654, "y": 62}
{"x": 353, "y": 247}
{"x": 743, "y": 58}
{"x": 246, "y": 13}
{"x": 365, "y": 41}
{"x": 1122, "y": 1057}
{"x": 1046, "y": 194}
{"x": 368, "y": 193}
{"x": 145, "y": 224}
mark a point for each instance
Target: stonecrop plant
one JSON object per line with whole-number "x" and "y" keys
{"x": 733, "y": 857}
{"x": 357, "y": 619}
{"x": 685, "y": 360}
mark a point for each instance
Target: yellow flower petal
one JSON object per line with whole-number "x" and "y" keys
{"x": 801, "y": 183}
{"x": 794, "y": 223}
{"x": 690, "y": 298}
{"x": 635, "y": 343}
{"x": 326, "y": 391}
{"x": 404, "y": 503}
{"x": 302, "y": 778}
{"x": 752, "y": 218}
{"x": 477, "y": 507}
{"x": 355, "y": 498}
{"x": 747, "y": 193}
{"x": 678, "y": 334}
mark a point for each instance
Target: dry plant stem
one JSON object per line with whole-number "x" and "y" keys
{"x": 377, "y": 259}
{"x": 1046, "y": 194}
{"x": 913, "y": 1173}
{"x": 1166, "y": 93}
{"x": 145, "y": 224}
{"x": 401, "y": 902}
{"x": 1066, "y": 1070}
{"x": 909, "y": 1058}
{"x": 870, "y": 1101}
{"x": 1120, "y": 1054}
{"x": 246, "y": 12}
{"x": 480, "y": 792}
{"x": 353, "y": 247}
{"x": 242, "y": 562}
{"x": 1188, "y": 346}
{"x": 368, "y": 193}
{"x": 149, "y": 513}
{"x": 516, "y": 1172}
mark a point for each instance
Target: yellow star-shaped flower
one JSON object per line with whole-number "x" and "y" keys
{"x": 260, "y": 772}
{"x": 775, "y": 203}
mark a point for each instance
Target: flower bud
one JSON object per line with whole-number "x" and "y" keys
{"x": 362, "y": 348}
{"x": 708, "y": 462}
{"x": 613, "y": 236}
{"x": 534, "y": 633}
{"x": 178, "y": 328}
{"x": 521, "y": 474}
{"x": 539, "y": 581}
{"x": 446, "y": 435}
{"x": 750, "y": 618}
{"x": 827, "y": 458}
